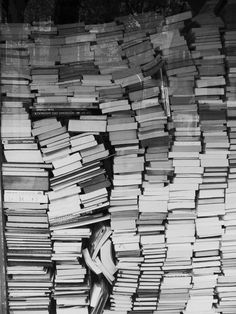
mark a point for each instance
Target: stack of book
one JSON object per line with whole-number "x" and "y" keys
{"x": 128, "y": 165}
{"x": 147, "y": 22}
{"x": 13, "y": 32}
{"x": 184, "y": 154}
{"x": 44, "y": 50}
{"x": 137, "y": 46}
{"x": 57, "y": 81}
{"x": 152, "y": 121}
{"x": 79, "y": 185}
{"x": 14, "y": 52}
{"x": 127, "y": 178}
{"x": 53, "y": 139}
{"x": 138, "y": 50}
{"x": 173, "y": 46}
{"x": 211, "y": 199}
{"x": 25, "y": 181}
{"x": 226, "y": 282}
{"x": 107, "y": 51}
{"x": 71, "y": 283}
{"x": 66, "y": 98}
{"x": 76, "y": 161}
{"x": 28, "y": 250}
{"x": 170, "y": 202}
{"x": 76, "y": 47}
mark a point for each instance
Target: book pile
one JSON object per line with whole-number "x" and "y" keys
{"x": 76, "y": 47}
{"x": 211, "y": 199}
{"x": 172, "y": 202}
{"x": 79, "y": 185}
{"x": 138, "y": 51}
{"x": 53, "y": 139}
{"x": 11, "y": 33}
{"x": 76, "y": 161}
{"x": 25, "y": 181}
{"x": 29, "y": 250}
{"x": 44, "y": 48}
{"x": 226, "y": 282}
{"x": 14, "y": 62}
{"x": 184, "y": 154}
{"x": 151, "y": 120}
{"x": 57, "y": 86}
{"x": 127, "y": 176}
{"x": 60, "y": 99}
{"x": 107, "y": 52}
{"x": 128, "y": 164}
{"x": 230, "y": 51}
{"x": 147, "y": 22}
{"x": 71, "y": 283}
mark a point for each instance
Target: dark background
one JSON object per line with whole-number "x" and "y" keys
{"x": 89, "y": 11}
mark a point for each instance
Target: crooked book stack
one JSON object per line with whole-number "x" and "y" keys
{"x": 227, "y": 281}
{"x": 209, "y": 90}
{"x": 184, "y": 158}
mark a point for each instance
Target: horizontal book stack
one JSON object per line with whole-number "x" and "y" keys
{"x": 107, "y": 32}
{"x": 25, "y": 180}
{"x": 226, "y": 282}
{"x": 173, "y": 48}
{"x": 76, "y": 163}
{"x": 49, "y": 98}
{"x": 127, "y": 177}
{"x": 78, "y": 184}
{"x": 71, "y": 283}
{"x": 230, "y": 51}
{"x": 211, "y": 199}
{"x": 29, "y": 249}
{"x": 64, "y": 30}
{"x": 138, "y": 50}
{"x": 13, "y": 32}
{"x": 137, "y": 46}
{"x": 96, "y": 85}
{"x": 57, "y": 81}
{"x": 14, "y": 53}
{"x": 107, "y": 52}
{"x": 184, "y": 155}
{"x": 53, "y": 139}
{"x": 108, "y": 59}
{"x": 44, "y": 49}
{"x": 154, "y": 139}
{"x": 76, "y": 47}
{"x": 66, "y": 98}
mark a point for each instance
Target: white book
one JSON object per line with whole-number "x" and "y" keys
{"x": 68, "y": 168}
{"x": 87, "y": 126}
{"x": 72, "y": 190}
{"x": 25, "y": 156}
{"x": 66, "y": 160}
{"x": 25, "y": 196}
